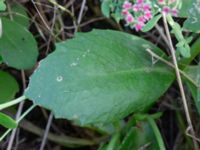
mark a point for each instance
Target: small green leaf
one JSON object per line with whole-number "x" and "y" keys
{"x": 151, "y": 23}
{"x": 9, "y": 87}
{"x": 139, "y": 137}
{"x": 103, "y": 79}
{"x": 114, "y": 142}
{"x": 117, "y": 14}
{"x": 185, "y": 6}
{"x": 194, "y": 73}
{"x": 184, "y": 50}
{"x": 105, "y": 7}
{"x": 7, "y": 121}
{"x": 182, "y": 46}
{"x": 193, "y": 21}
{"x": 18, "y": 47}
{"x": 189, "y": 39}
{"x": 2, "y": 5}
{"x": 195, "y": 50}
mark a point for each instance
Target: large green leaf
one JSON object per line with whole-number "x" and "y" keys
{"x": 101, "y": 76}
{"x": 194, "y": 73}
{"x": 193, "y": 21}
{"x": 18, "y": 47}
{"x": 8, "y": 87}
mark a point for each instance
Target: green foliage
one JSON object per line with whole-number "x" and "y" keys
{"x": 112, "y": 9}
{"x": 9, "y": 87}
{"x": 2, "y": 5}
{"x": 194, "y": 73}
{"x": 114, "y": 142}
{"x": 19, "y": 15}
{"x": 140, "y": 136}
{"x": 195, "y": 50}
{"x": 184, "y": 7}
{"x": 7, "y": 122}
{"x": 18, "y": 47}
{"x": 99, "y": 77}
{"x": 151, "y": 23}
{"x": 193, "y": 21}
{"x": 138, "y": 133}
{"x": 105, "y": 7}
{"x": 183, "y": 44}
{"x": 103, "y": 79}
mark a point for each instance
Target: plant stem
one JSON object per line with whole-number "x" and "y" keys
{"x": 62, "y": 140}
{"x": 17, "y": 121}
{"x": 13, "y": 102}
{"x": 113, "y": 143}
{"x": 80, "y": 15}
{"x": 62, "y": 8}
{"x": 179, "y": 80}
{"x": 160, "y": 30}
{"x": 19, "y": 111}
{"x": 44, "y": 139}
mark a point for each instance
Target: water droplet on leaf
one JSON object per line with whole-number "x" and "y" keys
{"x": 59, "y": 78}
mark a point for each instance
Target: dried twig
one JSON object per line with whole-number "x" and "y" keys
{"x": 179, "y": 80}
{"x": 171, "y": 65}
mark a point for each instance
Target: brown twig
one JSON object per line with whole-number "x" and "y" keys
{"x": 171, "y": 65}
{"x": 179, "y": 80}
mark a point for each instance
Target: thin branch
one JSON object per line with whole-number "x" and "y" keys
{"x": 160, "y": 30}
{"x": 44, "y": 139}
{"x": 187, "y": 132}
{"x": 171, "y": 65}
{"x": 62, "y": 8}
{"x": 19, "y": 111}
{"x": 17, "y": 121}
{"x": 179, "y": 80}
{"x": 47, "y": 26}
{"x": 80, "y": 15}
{"x": 86, "y": 23}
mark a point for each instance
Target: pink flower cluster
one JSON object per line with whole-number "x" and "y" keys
{"x": 166, "y": 9}
{"x": 136, "y": 14}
